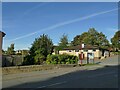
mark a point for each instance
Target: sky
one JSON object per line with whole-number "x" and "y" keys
{"x": 24, "y": 21}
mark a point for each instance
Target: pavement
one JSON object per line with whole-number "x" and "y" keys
{"x": 102, "y": 75}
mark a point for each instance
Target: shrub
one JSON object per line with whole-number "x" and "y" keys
{"x": 28, "y": 60}
{"x": 52, "y": 59}
{"x": 39, "y": 59}
{"x": 61, "y": 59}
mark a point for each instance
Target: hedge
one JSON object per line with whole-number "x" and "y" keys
{"x": 61, "y": 59}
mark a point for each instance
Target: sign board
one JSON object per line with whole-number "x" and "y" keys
{"x": 83, "y": 45}
{"x": 91, "y": 56}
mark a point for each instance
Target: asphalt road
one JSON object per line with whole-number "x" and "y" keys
{"x": 96, "y": 76}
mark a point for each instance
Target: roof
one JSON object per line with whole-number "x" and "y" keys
{"x": 3, "y": 34}
{"x": 79, "y": 47}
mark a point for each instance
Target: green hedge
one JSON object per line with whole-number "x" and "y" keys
{"x": 61, "y": 59}
{"x": 116, "y": 53}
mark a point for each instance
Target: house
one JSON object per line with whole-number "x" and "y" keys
{"x": 2, "y": 34}
{"x": 86, "y": 49}
{"x": 22, "y": 52}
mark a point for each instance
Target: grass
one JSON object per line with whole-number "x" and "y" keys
{"x": 116, "y": 53}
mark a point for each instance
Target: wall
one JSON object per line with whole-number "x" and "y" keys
{"x": 22, "y": 69}
{"x": 67, "y": 52}
{"x": 97, "y": 53}
{"x": 12, "y": 60}
{"x": 0, "y": 43}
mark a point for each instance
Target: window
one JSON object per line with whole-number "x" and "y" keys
{"x": 94, "y": 50}
{"x": 86, "y": 50}
{"x": 77, "y": 50}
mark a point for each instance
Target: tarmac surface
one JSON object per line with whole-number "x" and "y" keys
{"x": 102, "y": 75}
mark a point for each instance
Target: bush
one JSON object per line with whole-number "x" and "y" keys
{"x": 52, "y": 59}
{"x": 28, "y": 60}
{"x": 61, "y": 59}
{"x": 39, "y": 59}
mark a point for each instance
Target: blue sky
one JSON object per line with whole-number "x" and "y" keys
{"x": 23, "y": 22}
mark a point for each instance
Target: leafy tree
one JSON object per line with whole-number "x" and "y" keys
{"x": 3, "y": 52}
{"x": 41, "y": 47}
{"x": 28, "y": 60}
{"x": 102, "y": 41}
{"x": 115, "y": 40}
{"x": 10, "y": 50}
{"x": 76, "y": 40}
{"x": 63, "y": 41}
{"x": 39, "y": 57}
{"x": 25, "y": 52}
{"x": 92, "y": 37}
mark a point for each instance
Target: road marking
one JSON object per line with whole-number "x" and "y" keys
{"x": 52, "y": 84}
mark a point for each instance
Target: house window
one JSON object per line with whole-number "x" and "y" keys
{"x": 86, "y": 50}
{"x": 94, "y": 50}
{"x": 77, "y": 50}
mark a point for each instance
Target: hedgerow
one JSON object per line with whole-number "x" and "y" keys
{"x": 61, "y": 59}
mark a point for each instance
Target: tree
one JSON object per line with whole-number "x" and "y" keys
{"x": 102, "y": 41}
{"x": 76, "y": 40}
{"x": 63, "y": 42}
{"x": 92, "y": 37}
{"x": 25, "y": 52}
{"x": 41, "y": 47}
{"x": 39, "y": 57}
{"x": 10, "y": 50}
{"x": 115, "y": 40}
{"x": 3, "y": 52}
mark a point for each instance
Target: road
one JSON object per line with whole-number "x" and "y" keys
{"x": 96, "y": 76}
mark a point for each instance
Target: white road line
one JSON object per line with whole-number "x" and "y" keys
{"x": 52, "y": 84}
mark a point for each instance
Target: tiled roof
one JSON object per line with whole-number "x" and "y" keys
{"x": 79, "y": 47}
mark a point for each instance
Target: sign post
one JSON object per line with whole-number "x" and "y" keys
{"x": 81, "y": 56}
